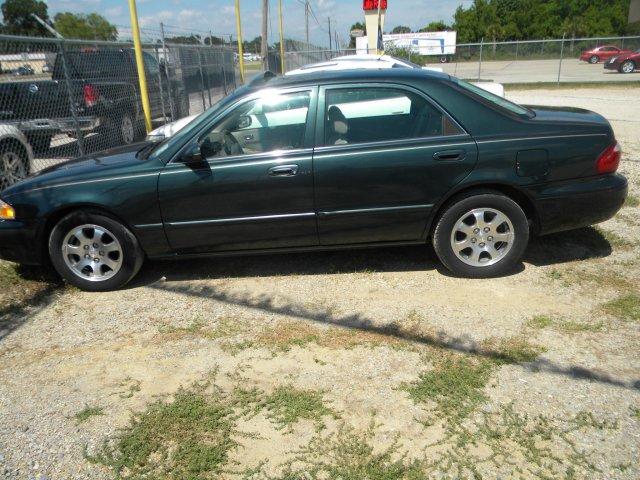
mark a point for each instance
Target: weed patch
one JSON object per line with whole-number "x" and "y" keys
{"x": 287, "y": 405}
{"x": 625, "y": 307}
{"x": 87, "y": 412}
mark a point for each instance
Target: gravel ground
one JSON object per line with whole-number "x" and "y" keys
{"x": 358, "y": 327}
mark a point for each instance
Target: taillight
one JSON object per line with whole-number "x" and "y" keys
{"x": 609, "y": 160}
{"x": 90, "y": 94}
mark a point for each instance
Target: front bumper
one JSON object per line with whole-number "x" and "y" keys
{"x": 609, "y": 65}
{"x": 18, "y": 242}
{"x": 579, "y": 203}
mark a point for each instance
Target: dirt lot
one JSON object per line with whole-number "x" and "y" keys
{"x": 369, "y": 364}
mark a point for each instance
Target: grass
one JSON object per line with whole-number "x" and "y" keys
{"x": 614, "y": 239}
{"x": 87, "y": 412}
{"x": 511, "y": 350}
{"x": 455, "y": 386}
{"x": 625, "y": 307}
{"x": 635, "y": 413}
{"x": 287, "y": 405}
{"x": 540, "y": 322}
{"x": 190, "y": 437}
{"x": 632, "y": 201}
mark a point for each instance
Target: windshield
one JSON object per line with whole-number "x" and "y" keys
{"x": 194, "y": 125}
{"x": 495, "y": 99}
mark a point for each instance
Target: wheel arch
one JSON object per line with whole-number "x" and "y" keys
{"x": 56, "y": 215}
{"x": 513, "y": 192}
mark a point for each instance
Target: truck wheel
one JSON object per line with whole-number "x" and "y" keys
{"x": 594, "y": 59}
{"x": 126, "y": 129}
{"x": 40, "y": 142}
{"x": 483, "y": 234}
{"x": 14, "y": 163}
{"x": 628, "y": 66}
{"x": 94, "y": 252}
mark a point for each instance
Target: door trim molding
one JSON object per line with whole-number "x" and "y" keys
{"x": 260, "y": 218}
{"x": 375, "y": 210}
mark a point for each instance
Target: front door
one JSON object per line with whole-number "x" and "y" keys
{"x": 386, "y": 155}
{"x": 254, "y": 188}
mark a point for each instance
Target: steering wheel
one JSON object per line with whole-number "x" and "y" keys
{"x": 231, "y": 144}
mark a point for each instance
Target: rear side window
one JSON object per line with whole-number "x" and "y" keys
{"x": 373, "y": 114}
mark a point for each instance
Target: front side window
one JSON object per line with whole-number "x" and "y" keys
{"x": 272, "y": 122}
{"x": 373, "y": 114}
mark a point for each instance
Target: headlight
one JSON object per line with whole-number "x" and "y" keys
{"x": 7, "y": 212}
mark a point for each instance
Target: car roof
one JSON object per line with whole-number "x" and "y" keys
{"x": 347, "y": 76}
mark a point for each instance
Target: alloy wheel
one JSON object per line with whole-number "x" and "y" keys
{"x": 12, "y": 169}
{"x": 92, "y": 252}
{"x": 628, "y": 67}
{"x": 482, "y": 237}
{"x": 127, "y": 129}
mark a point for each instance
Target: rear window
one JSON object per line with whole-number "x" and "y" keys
{"x": 95, "y": 64}
{"x": 495, "y": 99}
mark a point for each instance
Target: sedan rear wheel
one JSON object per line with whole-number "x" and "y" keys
{"x": 628, "y": 66}
{"x": 594, "y": 59}
{"x": 481, "y": 234}
{"x": 94, "y": 252}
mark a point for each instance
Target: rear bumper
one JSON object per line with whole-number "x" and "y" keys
{"x": 579, "y": 203}
{"x": 18, "y": 242}
{"x": 57, "y": 125}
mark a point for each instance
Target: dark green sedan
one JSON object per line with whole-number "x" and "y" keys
{"x": 325, "y": 160}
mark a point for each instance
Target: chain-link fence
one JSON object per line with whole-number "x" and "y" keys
{"x": 531, "y": 61}
{"x": 64, "y": 98}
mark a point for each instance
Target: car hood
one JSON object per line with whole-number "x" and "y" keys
{"x": 106, "y": 163}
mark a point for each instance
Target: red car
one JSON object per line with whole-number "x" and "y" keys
{"x": 604, "y": 52}
{"x": 625, "y": 63}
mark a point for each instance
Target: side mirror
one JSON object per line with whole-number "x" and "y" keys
{"x": 244, "y": 122}
{"x": 193, "y": 154}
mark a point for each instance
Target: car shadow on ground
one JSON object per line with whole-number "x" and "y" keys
{"x": 552, "y": 249}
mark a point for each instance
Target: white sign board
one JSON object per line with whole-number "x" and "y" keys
{"x": 423, "y": 43}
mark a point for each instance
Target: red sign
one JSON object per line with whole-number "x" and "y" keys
{"x": 373, "y": 4}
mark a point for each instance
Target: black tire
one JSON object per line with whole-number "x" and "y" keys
{"x": 593, "y": 59}
{"x": 14, "y": 163}
{"x": 630, "y": 66}
{"x": 126, "y": 129}
{"x": 442, "y": 234}
{"x": 132, "y": 254}
{"x": 444, "y": 59}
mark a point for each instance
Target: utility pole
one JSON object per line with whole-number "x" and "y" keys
{"x": 330, "y": 41}
{"x": 240, "y": 52}
{"x": 282, "y": 65}
{"x": 264, "y": 44}
{"x": 306, "y": 21}
{"x": 50, "y": 29}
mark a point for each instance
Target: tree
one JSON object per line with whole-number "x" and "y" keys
{"x": 356, "y": 26}
{"x": 438, "y": 26}
{"x": 18, "y": 18}
{"x": 401, "y": 29}
{"x": 86, "y": 27}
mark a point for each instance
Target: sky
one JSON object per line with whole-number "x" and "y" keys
{"x": 200, "y": 16}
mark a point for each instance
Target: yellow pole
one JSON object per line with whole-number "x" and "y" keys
{"x": 240, "y": 52}
{"x": 142, "y": 78}
{"x": 281, "y": 38}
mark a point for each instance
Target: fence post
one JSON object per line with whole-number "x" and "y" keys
{"x": 204, "y": 104}
{"x": 480, "y": 61}
{"x": 561, "y": 55}
{"x": 167, "y": 70}
{"x": 517, "y": 45}
{"x": 160, "y": 84}
{"x": 72, "y": 104}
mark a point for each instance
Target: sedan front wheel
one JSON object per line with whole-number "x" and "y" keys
{"x": 94, "y": 252}
{"x": 481, "y": 235}
{"x": 628, "y": 66}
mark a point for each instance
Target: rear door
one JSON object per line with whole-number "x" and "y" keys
{"x": 385, "y": 155}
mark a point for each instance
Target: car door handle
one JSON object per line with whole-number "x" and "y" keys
{"x": 450, "y": 155}
{"x": 283, "y": 171}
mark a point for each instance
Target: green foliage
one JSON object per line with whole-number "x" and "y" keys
{"x": 401, "y": 29}
{"x": 438, "y": 26}
{"x": 625, "y": 307}
{"x": 87, "y": 412}
{"x": 286, "y": 405}
{"x": 86, "y": 27}
{"x": 187, "y": 438}
{"x": 356, "y": 26}
{"x": 496, "y": 20}
{"x": 18, "y": 19}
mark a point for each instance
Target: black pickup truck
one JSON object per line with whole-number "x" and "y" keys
{"x": 105, "y": 96}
